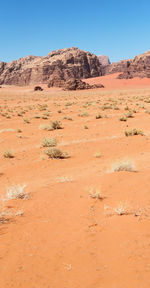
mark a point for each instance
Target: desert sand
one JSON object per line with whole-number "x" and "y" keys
{"x": 80, "y": 223}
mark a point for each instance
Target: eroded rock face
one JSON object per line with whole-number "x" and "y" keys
{"x": 77, "y": 84}
{"x": 104, "y": 60}
{"x": 59, "y": 65}
{"x": 117, "y": 67}
{"x": 138, "y": 67}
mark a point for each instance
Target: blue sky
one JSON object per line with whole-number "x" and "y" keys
{"x": 117, "y": 28}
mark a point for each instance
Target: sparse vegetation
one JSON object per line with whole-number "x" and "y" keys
{"x": 9, "y": 154}
{"x": 134, "y": 132}
{"x": 123, "y": 118}
{"x": 123, "y": 165}
{"x": 55, "y": 153}
{"x": 95, "y": 194}
{"x": 16, "y": 192}
{"x": 98, "y": 116}
{"x": 49, "y": 142}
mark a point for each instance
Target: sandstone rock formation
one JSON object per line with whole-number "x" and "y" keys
{"x": 104, "y": 60}
{"x": 116, "y": 67}
{"x": 138, "y": 67}
{"x": 57, "y": 66}
{"x": 77, "y": 84}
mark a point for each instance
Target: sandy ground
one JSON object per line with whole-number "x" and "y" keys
{"x": 83, "y": 224}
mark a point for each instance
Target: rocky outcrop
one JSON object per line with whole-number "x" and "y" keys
{"x": 104, "y": 60}
{"x": 57, "y": 66}
{"x": 77, "y": 84}
{"x": 116, "y": 67}
{"x": 73, "y": 84}
{"x": 138, "y": 67}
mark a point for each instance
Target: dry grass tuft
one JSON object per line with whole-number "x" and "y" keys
{"x": 8, "y": 154}
{"x": 16, "y": 192}
{"x": 49, "y": 142}
{"x": 123, "y": 165}
{"x": 55, "y": 153}
{"x": 95, "y": 194}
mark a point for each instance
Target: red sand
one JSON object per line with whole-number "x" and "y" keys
{"x": 65, "y": 238}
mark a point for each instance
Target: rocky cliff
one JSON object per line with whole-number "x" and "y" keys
{"x": 104, "y": 60}
{"x": 58, "y": 65}
{"x": 138, "y": 67}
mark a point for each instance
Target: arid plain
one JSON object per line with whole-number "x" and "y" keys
{"x": 81, "y": 221}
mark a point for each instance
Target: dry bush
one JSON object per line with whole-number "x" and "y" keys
{"x": 16, "y": 192}
{"x": 95, "y": 193}
{"x": 49, "y": 142}
{"x": 8, "y": 154}
{"x": 54, "y": 125}
{"x": 134, "y": 132}
{"x": 55, "y": 153}
{"x": 98, "y": 116}
{"x": 123, "y": 165}
{"x": 122, "y": 118}
{"x": 121, "y": 209}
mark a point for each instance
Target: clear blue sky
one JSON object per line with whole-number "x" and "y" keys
{"x": 117, "y": 28}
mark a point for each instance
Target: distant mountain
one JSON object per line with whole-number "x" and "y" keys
{"x": 57, "y": 66}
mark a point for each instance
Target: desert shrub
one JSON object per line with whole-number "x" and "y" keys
{"x": 49, "y": 142}
{"x": 16, "y": 192}
{"x": 121, "y": 209}
{"x": 84, "y": 114}
{"x": 98, "y": 116}
{"x": 129, "y": 114}
{"x": 124, "y": 165}
{"x": 123, "y": 118}
{"x": 95, "y": 193}
{"x": 8, "y": 154}
{"x": 54, "y": 125}
{"x": 133, "y": 132}
{"x": 55, "y": 153}
{"x": 26, "y": 120}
